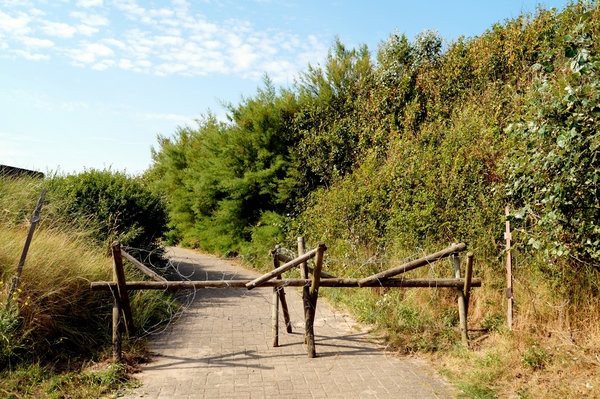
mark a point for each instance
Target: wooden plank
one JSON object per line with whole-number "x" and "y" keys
{"x": 277, "y": 272}
{"x": 299, "y": 282}
{"x": 373, "y": 280}
{"x": 147, "y": 271}
{"x": 119, "y": 277}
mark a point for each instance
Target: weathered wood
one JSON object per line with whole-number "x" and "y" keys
{"x": 313, "y": 297}
{"x": 119, "y": 277}
{"x": 147, "y": 271}
{"x": 293, "y": 282}
{"x": 462, "y": 316}
{"x": 33, "y": 221}
{"x": 468, "y": 282}
{"x": 275, "y": 318}
{"x": 305, "y": 288}
{"x": 303, "y": 265}
{"x": 275, "y": 306}
{"x": 280, "y": 270}
{"x": 281, "y": 292}
{"x": 117, "y": 328}
{"x": 374, "y": 279}
{"x": 509, "y": 278}
{"x": 16, "y": 280}
{"x": 310, "y": 269}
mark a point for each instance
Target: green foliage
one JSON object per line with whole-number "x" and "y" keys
{"x": 223, "y": 180}
{"x": 112, "y": 204}
{"x": 554, "y": 173}
{"x": 535, "y": 357}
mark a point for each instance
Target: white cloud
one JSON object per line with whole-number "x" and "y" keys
{"x": 36, "y": 42}
{"x": 58, "y": 29}
{"x": 89, "y": 53}
{"x": 90, "y": 19}
{"x": 87, "y": 30}
{"x": 162, "y": 40}
{"x": 15, "y": 25}
{"x": 32, "y": 57}
{"x": 89, "y": 3}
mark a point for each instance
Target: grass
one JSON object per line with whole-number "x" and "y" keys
{"x": 55, "y": 333}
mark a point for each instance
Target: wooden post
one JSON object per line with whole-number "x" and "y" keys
{"x": 509, "y": 278}
{"x": 119, "y": 277}
{"x": 117, "y": 327}
{"x": 305, "y": 288}
{"x": 312, "y": 300}
{"x": 468, "y": 282}
{"x": 303, "y": 265}
{"x": 462, "y": 314}
{"x": 275, "y": 308}
{"x": 284, "y": 309}
{"x": 35, "y": 218}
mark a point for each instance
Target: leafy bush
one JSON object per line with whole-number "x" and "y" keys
{"x": 112, "y": 204}
{"x": 554, "y": 174}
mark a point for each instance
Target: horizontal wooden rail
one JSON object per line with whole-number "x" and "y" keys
{"x": 148, "y": 272}
{"x": 376, "y": 279}
{"x": 292, "y": 282}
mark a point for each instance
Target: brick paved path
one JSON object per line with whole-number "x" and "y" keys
{"x": 221, "y": 348}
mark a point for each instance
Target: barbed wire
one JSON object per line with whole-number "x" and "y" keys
{"x": 185, "y": 268}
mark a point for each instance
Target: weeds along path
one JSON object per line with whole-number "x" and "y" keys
{"x": 221, "y": 348}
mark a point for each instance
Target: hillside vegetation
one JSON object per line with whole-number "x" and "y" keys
{"x": 387, "y": 154}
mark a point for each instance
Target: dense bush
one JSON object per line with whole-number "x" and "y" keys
{"x": 108, "y": 204}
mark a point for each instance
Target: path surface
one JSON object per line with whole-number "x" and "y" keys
{"x": 221, "y": 348}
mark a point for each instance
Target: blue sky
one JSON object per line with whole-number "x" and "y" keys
{"x": 90, "y": 83}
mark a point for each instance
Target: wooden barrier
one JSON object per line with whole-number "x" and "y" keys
{"x": 310, "y": 287}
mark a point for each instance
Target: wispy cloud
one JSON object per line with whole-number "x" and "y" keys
{"x": 162, "y": 40}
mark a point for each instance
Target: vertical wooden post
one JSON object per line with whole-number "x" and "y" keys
{"x": 117, "y": 327}
{"x": 303, "y": 265}
{"x": 119, "y": 277}
{"x": 285, "y": 310}
{"x": 462, "y": 315}
{"x": 509, "y": 278}
{"x": 305, "y": 289}
{"x": 275, "y": 308}
{"x": 312, "y": 300}
{"x": 468, "y": 278}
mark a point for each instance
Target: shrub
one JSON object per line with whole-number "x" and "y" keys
{"x": 114, "y": 205}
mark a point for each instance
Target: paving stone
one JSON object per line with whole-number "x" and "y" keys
{"x": 221, "y": 348}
